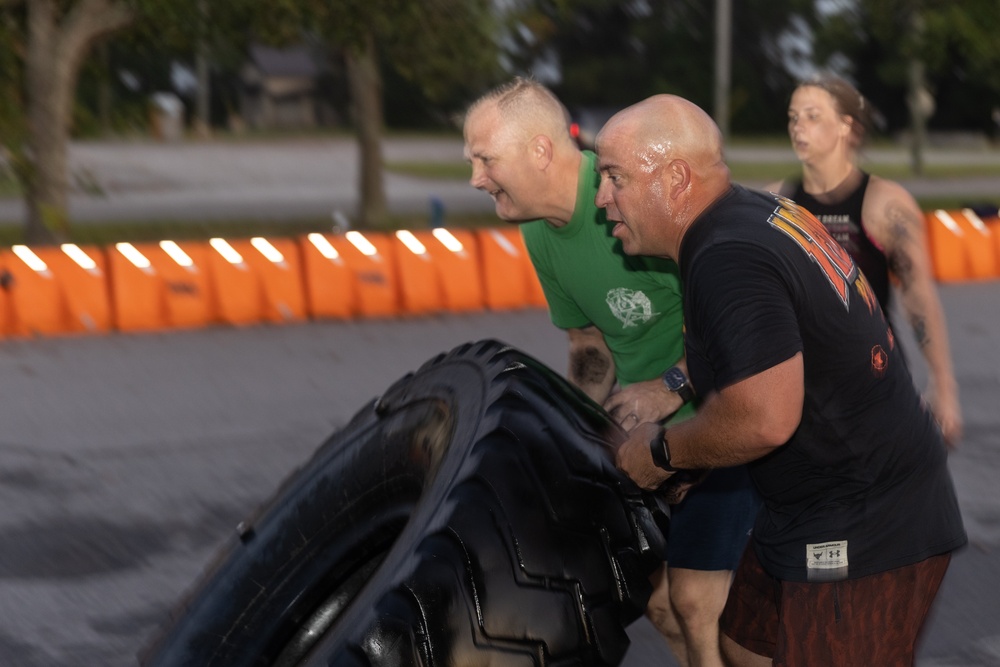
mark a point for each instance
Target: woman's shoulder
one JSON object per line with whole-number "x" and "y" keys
{"x": 886, "y": 203}
{"x": 883, "y": 188}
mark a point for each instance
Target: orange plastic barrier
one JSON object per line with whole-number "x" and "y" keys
{"x": 946, "y": 243}
{"x": 438, "y": 270}
{"x": 455, "y": 254}
{"x": 159, "y": 285}
{"x": 82, "y": 275}
{"x": 962, "y": 246}
{"x": 504, "y": 280}
{"x": 136, "y": 288}
{"x": 509, "y": 279}
{"x": 233, "y": 285}
{"x": 369, "y": 256}
{"x": 329, "y": 283}
{"x": 183, "y": 268}
{"x": 993, "y": 224}
{"x": 980, "y": 246}
{"x": 34, "y": 303}
{"x": 419, "y": 285}
{"x": 55, "y": 290}
{"x": 276, "y": 266}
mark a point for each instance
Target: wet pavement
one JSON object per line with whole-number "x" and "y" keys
{"x": 126, "y": 460}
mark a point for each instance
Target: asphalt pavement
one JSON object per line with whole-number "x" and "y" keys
{"x": 253, "y": 179}
{"x": 312, "y": 177}
{"x": 127, "y": 460}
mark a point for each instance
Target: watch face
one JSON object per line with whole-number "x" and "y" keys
{"x": 675, "y": 379}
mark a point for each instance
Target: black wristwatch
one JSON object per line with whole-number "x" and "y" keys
{"x": 677, "y": 382}
{"x": 661, "y": 451}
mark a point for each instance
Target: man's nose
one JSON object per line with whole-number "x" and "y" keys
{"x": 477, "y": 178}
{"x": 602, "y": 199}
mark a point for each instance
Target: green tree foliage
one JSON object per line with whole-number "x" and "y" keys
{"x": 613, "y": 53}
{"x": 44, "y": 46}
{"x": 958, "y": 47}
{"x": 49, "y": 40}
{"x": 444, "y": 48}
{"x": 161, "y": 37}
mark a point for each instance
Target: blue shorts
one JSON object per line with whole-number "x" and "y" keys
{"x": 710, "y": 527}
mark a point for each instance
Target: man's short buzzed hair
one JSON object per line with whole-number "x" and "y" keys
{"x": 527, "y": 102}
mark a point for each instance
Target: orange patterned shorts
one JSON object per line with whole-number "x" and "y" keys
{"x": 873, "y": 620}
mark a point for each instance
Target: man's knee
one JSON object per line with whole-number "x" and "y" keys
{"x": 659, "y": 608}
{"x": 699, "y": 596}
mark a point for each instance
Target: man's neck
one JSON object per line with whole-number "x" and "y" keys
{"x": 710, "y": 191}
{"x": 566, "y": 182}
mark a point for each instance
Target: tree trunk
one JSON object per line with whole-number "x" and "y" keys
{"x": 366, "y": 94}
{"x": 723, "y": 64}
{"x": 46, "y": 186}
{"x": 918, "y": 99}
{"x": 55, "y": 51}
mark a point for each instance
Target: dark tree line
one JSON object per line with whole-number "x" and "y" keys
{"x": 419, "y": 62}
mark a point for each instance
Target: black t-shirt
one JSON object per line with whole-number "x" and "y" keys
{"x": 845, "y": 223}
{"x": 863, "y": 485}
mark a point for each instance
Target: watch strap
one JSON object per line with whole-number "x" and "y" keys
{"x": 677, "y": 382}
{"x": 660, "y": 452}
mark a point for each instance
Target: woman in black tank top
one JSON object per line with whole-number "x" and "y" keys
{"x": 875, "y": 219}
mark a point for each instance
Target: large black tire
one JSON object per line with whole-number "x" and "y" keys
{"x": 471, "y": 516}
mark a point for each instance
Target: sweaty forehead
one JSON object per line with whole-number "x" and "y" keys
{"x": 614, "y": 146}
{"x": 605, "y": 140}
{"x": 607, "y": 157}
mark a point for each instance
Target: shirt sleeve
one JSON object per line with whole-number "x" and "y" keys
{"x": 742, "y": 311}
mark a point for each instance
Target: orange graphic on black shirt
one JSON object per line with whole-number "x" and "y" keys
{"x": 880, "y": 361}
{"x": 867, "y": 293}
{"x": 803, "y": 228}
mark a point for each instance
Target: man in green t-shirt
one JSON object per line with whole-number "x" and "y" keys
{"x": 623, "y": 316}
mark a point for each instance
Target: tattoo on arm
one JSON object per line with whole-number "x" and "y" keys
{"x": 920, "y": 330}
{"x": 588, "y": 366}
{"x": 901, "y": 226}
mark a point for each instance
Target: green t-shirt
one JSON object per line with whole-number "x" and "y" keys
{"x": 588, "y": 279}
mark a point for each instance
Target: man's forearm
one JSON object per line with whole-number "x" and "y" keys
{"x": 743, "y": 422}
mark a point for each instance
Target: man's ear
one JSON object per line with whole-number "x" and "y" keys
{"x": 541, "y": 150}
{"x": 677, "y": 173}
